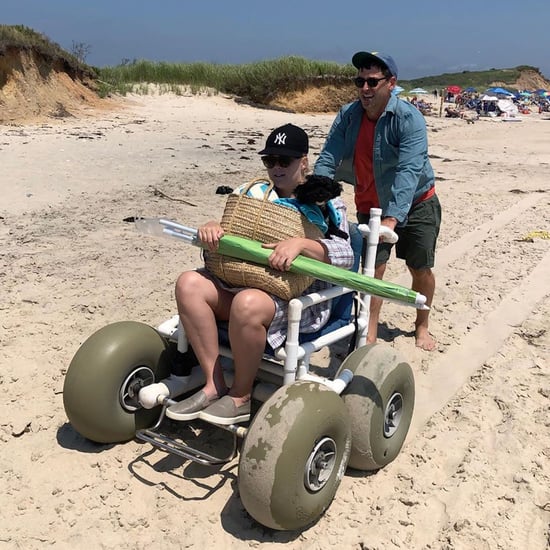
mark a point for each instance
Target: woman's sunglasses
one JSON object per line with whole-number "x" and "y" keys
{"x": 283, "y": 161}
{"x": 371, "y": 81}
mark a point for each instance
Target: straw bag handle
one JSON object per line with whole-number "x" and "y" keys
{"x": 254, "y": 220}
{"x": 270, "y": 187}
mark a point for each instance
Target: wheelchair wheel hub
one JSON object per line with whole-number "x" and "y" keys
{"x": 392, "y": 414}
{"x": 320, "y": 464}
{"x": 129, "y": 390}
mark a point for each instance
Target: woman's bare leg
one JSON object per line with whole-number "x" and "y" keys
{"x": 200, "y": 303}
{"x": 251, "y": 314}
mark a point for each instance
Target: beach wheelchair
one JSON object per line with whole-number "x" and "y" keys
{"x": 305, "y": 428}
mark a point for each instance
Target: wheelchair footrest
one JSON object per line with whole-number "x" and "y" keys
{"x": 172, "y": 446}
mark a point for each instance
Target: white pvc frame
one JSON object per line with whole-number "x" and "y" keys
{"x": 293, "y": 357}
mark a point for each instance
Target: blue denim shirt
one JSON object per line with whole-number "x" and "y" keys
{"x": 402, "y": 169}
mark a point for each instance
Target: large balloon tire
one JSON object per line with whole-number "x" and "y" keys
{"x": 113, "y": 357}
{"x": 294, "y": 456}
{"x": 380, "y": 401}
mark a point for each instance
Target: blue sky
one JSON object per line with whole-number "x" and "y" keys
{"x": 425, "y": 37}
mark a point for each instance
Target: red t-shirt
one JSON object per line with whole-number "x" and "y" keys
{"x": 365, "y": 188}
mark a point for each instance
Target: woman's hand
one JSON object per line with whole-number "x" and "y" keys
{"x": 284, "y": 252}
{"x": 210, "y": 234}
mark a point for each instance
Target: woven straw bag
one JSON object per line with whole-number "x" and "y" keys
{"x": 264, "y": 221}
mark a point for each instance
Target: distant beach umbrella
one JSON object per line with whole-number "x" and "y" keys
{"x": 454, "y": 89}
{"x": 397, "y": 90}
{"x": 499, "y": 91}
{"x": 418, "y": 91}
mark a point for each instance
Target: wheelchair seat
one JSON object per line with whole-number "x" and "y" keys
{"x": 342, "y": 306}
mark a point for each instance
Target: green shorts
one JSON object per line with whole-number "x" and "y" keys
{"x": 417, "y": 239}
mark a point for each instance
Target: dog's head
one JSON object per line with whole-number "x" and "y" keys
{"x": 318, "y": 190}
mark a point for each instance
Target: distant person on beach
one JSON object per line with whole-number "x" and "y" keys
{"x": 379, "y": 144}
{"x": 451, "y": 113}
{"x": 253, "y": 315}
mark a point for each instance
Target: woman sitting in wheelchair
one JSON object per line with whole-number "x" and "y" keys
{"x": 253, "y": 315}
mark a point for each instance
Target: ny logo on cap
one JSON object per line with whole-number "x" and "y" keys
{"x": 280, "y": 139}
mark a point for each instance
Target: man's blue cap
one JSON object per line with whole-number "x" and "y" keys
{"x": 364, "y": 59}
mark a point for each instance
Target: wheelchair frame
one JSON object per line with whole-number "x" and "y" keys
{"x": 305, "y": 434}
{"x": 294, "y": 357}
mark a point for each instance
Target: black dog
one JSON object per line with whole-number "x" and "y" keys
{"x": 318, "y": 190}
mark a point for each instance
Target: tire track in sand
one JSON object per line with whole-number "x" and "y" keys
{"x": 435, "y": 388}
{"x": 463, "y": 245}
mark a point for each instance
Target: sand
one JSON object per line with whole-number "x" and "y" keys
{"x": 475, "y": 470}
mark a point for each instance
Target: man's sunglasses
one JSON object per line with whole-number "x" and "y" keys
{"x": 371, "y": 81}
{"x": 283, "y": 161}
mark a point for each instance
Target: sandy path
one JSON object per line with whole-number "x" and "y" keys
{"x": 475, "y": 470}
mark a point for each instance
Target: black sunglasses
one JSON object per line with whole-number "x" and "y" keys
{"x": 371, "y": 81}
{"x": 282, "y": 160}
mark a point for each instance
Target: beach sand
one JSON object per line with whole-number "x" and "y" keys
{"x": 475, "y": 470}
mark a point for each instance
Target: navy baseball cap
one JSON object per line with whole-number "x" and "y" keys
{"x": 364, "y": 59}
{"x": 288, "y": 140}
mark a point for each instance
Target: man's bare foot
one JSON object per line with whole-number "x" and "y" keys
{"x": 424, "y": 340}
